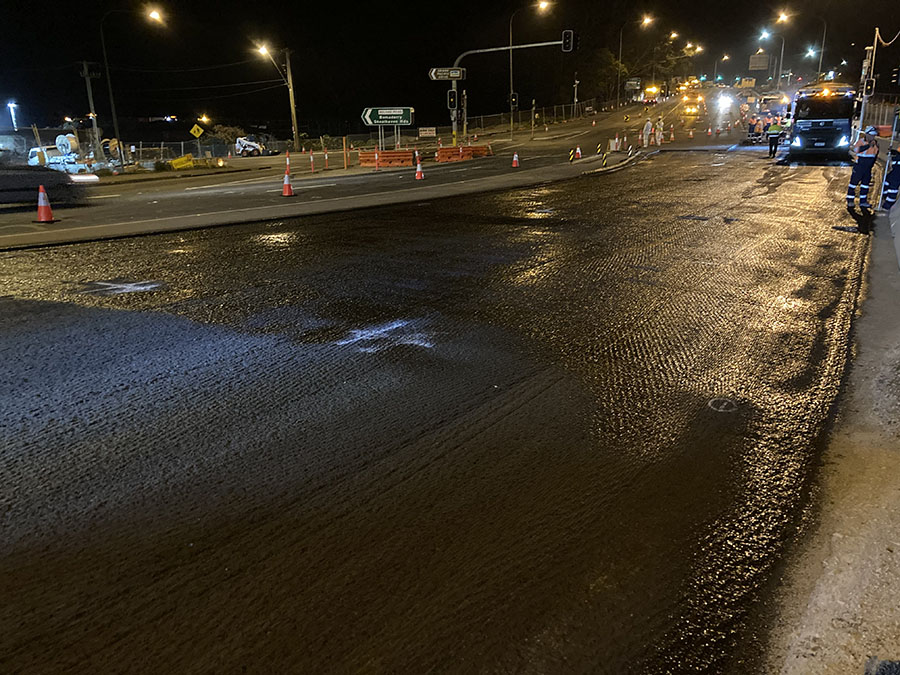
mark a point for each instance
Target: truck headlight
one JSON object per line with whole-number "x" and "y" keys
{"x": 844, "y": 142}
{"x": 797, "y": 142}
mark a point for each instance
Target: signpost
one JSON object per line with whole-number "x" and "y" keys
{"x": 196, "y": 131}
{"x": 384, "y": 117}
{"x": 447, "y": 73}
{"x": 427, "y": 132}
{"x": 633, "y": 84}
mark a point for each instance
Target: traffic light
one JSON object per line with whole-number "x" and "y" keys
{"x": 514, "y": 101}
{"x": 895, "y": 76}
{"x": 451, "y": 99}
{"x": 568, "y": 41}
{"x": 869, "y": 87}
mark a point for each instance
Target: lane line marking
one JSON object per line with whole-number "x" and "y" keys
{"x": 102, "y": 196}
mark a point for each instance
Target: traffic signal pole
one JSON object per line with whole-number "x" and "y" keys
{"x": 454, "y": 117}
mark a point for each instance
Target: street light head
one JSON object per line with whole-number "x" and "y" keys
{"x": 699, "y": 48}
{"x": 765, "y": 35}
{"x": 647, "y": 20}
{"x": 543, "y": 6}
{"x": 262, "y": 49}
{"x": 673, "y": 35}
{"x": 725, "y": 57}
{"x": 203, "y": 118}
{"x": 811, "y": 52}
{"x": 154, "y": 15}
{"x": 783, "y": 17}
{"x": 689, "y": 45}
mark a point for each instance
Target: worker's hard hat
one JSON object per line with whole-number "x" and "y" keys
{"x": 872, "y": 130}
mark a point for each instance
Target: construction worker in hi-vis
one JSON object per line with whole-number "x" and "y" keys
{"x": 892, "y": 181}
{"x": 866, "y": 151}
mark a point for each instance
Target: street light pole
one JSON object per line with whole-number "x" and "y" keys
{"x": 112, "y": 103}
{"x": 822, "y": 49}
{"x": 781, "y": 61}
{"x": 542, "y": 6}
{"x": 288, "y": 79}
{"x": 155, "y": 16}
{"x": 619, "y": 67}
{"x": 511, "y": 73}
{"x": 290, "y": 85}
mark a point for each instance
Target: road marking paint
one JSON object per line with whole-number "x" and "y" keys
{"x": 102, "y": 196}
{"x": 306, "y": 187}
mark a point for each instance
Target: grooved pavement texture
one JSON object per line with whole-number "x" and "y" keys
{"x": 452, "y": 436}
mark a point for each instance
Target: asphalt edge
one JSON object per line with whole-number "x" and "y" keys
{"x": 527, "y": 182}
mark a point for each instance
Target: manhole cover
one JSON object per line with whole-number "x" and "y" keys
{"x": 722, "y": 405}
{"x": 119, "y": 286}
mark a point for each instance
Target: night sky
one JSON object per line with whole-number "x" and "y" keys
{"x": 348, "y": 55}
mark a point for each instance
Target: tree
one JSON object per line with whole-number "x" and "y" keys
{"x": 226, "y": 133}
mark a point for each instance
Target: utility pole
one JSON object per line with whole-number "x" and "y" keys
{"x": 290, "y": 84}
{"x": 88, "y": 75}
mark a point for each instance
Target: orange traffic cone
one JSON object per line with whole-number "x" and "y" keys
{"x": 515, "y": 163}
{"x": 420, "y": 175}
{"x": 45, "y": 214}
{"x": 709, "y": 131}
{"x": 672, "y": 134}
{"x": 593, "y": 123}
{"x": 718, "y": 131}
{"x": 729, "y": 128}
{"x": 577, "y": 152}
{"x": 312, "y": 162}
{"x": 690, "y": 133}
{"x": 617, "y": 146}
{"x": 287, "y": 190}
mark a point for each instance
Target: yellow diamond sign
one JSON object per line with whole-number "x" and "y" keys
{"x": 196, "y": 131}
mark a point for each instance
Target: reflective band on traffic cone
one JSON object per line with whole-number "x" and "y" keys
{"x": 515, "y": 162}
{"x": 312, "y": 162}
{"x": 709, "y": 131}
{"x": 577, "y": 152}
{"x": 45, "y": 214}
{"x": 420, "y": 175}
{"x": 376, "y": 160}
{"x": 618, "y": 147}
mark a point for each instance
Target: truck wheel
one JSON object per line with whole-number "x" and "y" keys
{"x": 254, "y": 153}
{"x": 245, "y": 153}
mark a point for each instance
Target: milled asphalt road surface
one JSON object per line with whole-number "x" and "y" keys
{"x": 565, "y": 428}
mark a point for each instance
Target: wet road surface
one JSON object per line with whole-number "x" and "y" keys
{"x": 566, "y": 428}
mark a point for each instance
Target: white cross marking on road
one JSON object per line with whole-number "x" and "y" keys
{"x": 112, "y": 288}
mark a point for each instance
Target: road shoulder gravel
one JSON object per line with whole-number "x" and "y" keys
{"x": 838, "y": 597}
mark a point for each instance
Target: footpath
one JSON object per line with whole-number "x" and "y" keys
{"x": 839, "y": 607}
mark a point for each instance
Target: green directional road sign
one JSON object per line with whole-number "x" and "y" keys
{"x": 374, "y": 117}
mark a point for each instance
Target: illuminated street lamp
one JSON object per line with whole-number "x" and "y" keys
{"x": 645, "y": 21}
{"x": 204, "y": 118}
{"x": 288, "y": 79}
{"x": 153, "y": 15}
{"x": 673, "y": 35}
{"x": 541, "y": 7}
